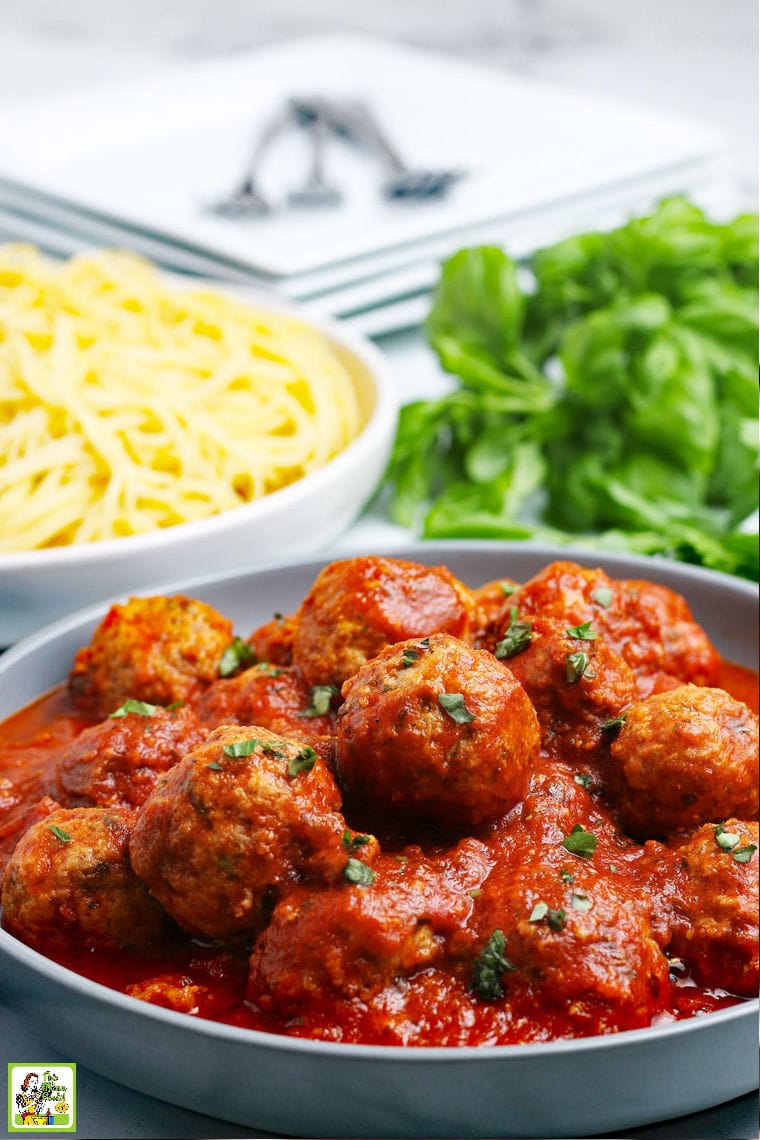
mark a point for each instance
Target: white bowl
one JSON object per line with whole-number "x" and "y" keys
{"x": 37, "y": 586}
{"x": 315, "y": 1088}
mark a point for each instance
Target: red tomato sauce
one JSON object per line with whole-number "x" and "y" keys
{"x": 211, "y": 982}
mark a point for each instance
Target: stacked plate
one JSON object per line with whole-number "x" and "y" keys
{"x": 143, "y": 167}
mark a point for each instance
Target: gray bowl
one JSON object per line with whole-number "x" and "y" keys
{"x": 314, "y": 1088}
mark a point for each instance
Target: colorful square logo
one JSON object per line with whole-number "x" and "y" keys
{"x": 42, "y": 1096}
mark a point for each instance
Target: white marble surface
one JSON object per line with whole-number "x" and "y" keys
{"x": 695, "y": 56}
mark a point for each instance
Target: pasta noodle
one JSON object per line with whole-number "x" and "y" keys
{"x": 127, "y": 405}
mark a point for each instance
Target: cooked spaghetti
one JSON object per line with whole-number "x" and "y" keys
{"x": 127, "y": 405}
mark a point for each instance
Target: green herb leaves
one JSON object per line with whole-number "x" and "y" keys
{"x": 488, "y": 968}
{"x": 517, "y": 636}
{"x": 59, "y": 833}
{"x": 730, "y": 840}
{"x": 358, "y": 873}
{"x": 320, "y": 697}
{"x": 303, "y": 762}
{"x": 141, "y": 708}
{"x": 453, "y": 704}
{"x": 580, "y": 842}
{"x": 620, "y": 383}
{"x": 238, "y": 655}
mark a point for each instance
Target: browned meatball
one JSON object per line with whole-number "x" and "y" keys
{"x": 357, "y": 607}
{"x": 241, "y": 817}
{"x": 69, "y": 883}
{"x": 271, "y": 696}
{"x": 160, "y": 650}
{"x": 574, "y": 940}
{"x": 576, "y": 686}
{"x": 648, "y": 625}
{"x": 437, "y": 729}
{"x": 352, "y": 940}
{"x": 273, "y": 641}
{"x": 684, "y": 757}
{"x": 704, "y": 894}
{"x": 118, "y": 762}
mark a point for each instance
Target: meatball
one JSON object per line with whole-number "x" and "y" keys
{"x": 270, "y": 696}
{"x": 704, "y": 894}
{"x": 684, "y": 757}
{"x": 352, "y": 940}
{"x": 118, "y": 763}
{"x": 273, "y": 641}
{"x": 439, "y": 730}
{"x": 576, "y": 686}
{"x": 648, "y": 625}
{"x": 160, "y": 650}
{"x": 579, "y": 943}
{"x": 69, "y": 883}
{"x": 241, "y": 817}
{"x": 357, "y": 607}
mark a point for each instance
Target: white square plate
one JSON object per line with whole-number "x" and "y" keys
{"x": 154, "y": 154}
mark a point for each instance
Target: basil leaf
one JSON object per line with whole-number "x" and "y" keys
{"x": 580, "y": 842}
{"x": 517, "y": 637}
{"x": 303, "y": 762}
{"x": 488, "y": 968}
{"x": 744, "y": 854}
{"x": 236, "y": 656}
{"x": 320, "y": 697}
{"x": 453, "y": 704}
{"x": 358, "y": 873}
{"x": 140, "y": 708}
{"x": 59, "y": 833}
{"x": 584, "y": 632}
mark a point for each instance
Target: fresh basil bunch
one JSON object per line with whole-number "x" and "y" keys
{"x": 608, "y": 394}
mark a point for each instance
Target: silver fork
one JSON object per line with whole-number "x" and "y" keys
{"x": 356, "y": 121}
{"x": 316, "y": 190}
{"x": 246, "y": 200}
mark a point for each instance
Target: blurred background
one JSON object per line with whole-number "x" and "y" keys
{"x": 693, "y": 56}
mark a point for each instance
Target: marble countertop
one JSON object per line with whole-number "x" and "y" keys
{"x": 693, "y": 56}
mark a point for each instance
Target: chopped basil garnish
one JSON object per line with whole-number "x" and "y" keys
{"x": 488, "y": 968}
{"x": 453, "y": 704}
{"x": 555, "y": 919}
{"x": 566, "y": 876}
{"x": 354, "y": 842}
{"x": 303, "y": 762}
{"x": 270, "y": 670}
{"x": 59, "y": 833}
{"x": 744, "y": 854}
{"x": 583, "y": 779}
{"x": 516, "y": 637}
{"x": 409, "y": 656}
{"x": 581, "y": 902}
{"x": 243, "y": 747}
{"x": 320, "y": 697}
{"x": 603, "y": 596}
{"x": 215, "y": 765}
{"x": 359, "y": 873}
{"x": 237, "y": 655}
{"x": 141, "y": 708}
{"x": 726, "y": 839}
{"x": 584, "y": 632}
{"x": 580, "y": 842}
{"x": 576, "y": 666}
{"x": 507, "y": 588}
{"x": 615, "y": 723}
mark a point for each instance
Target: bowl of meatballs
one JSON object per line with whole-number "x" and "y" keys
{"x": 394, "y": 844}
